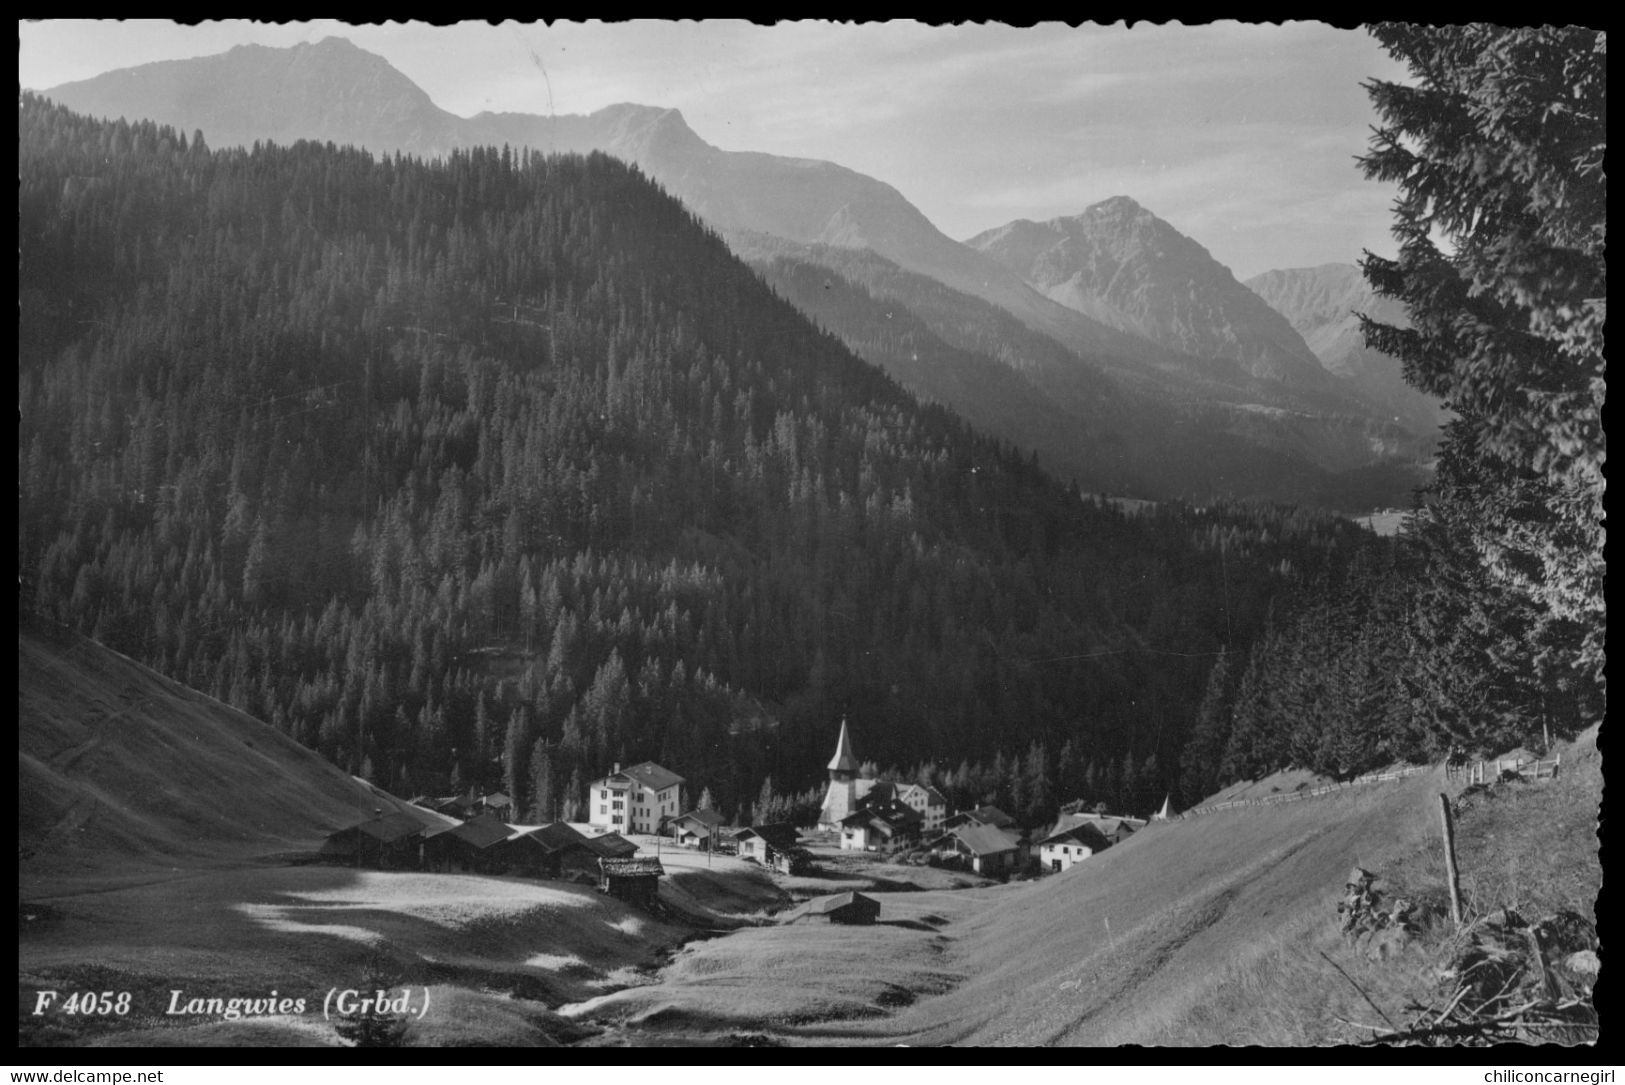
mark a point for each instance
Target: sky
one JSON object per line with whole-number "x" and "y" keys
{"x": 1242, "y": 136}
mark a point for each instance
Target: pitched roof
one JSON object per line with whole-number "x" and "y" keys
{"x": 708, "y": 819}
{"x": 992, "y": 815}
{"x": 652, "y": 776}
{"x": 826, "y": 905}
{"x": 1085, "y": 833}
{"x": 893, "y": 815}
{"x": 843, "y": 761}
{"x": 933, "y": 797}
{"x": 611, "y": 845}
{"x": 481, "y": 832}
{"x": 984, "y": 839}
{"x": 780, "y": 835}
{"x": 391, "y": 827}
{"x": 497, "y": 798}
{"x": 553, "y": 838}
{"x": 631, "y": 868}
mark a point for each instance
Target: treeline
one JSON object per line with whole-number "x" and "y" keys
{"x": 494, "y": 470}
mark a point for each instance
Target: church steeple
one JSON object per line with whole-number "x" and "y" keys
{"x": 842, "y": 796}
{"x": 843, "y": 761}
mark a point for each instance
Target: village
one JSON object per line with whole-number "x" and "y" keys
{"x": 637, "y": 816}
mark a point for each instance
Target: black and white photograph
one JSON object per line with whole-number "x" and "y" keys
{"x": 811, "y": 534}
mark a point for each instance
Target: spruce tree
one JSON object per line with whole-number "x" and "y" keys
{"x": 1497, "y": 149}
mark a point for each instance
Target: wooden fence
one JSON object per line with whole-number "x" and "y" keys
{"x": 1484, "y": 772}
{"x": 1479, "y": 773}
{"x": 1308, "y": 793}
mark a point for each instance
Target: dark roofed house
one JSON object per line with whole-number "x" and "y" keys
{"x": 982, "y": 815}
{"x": 612, "y": 846}
{"x": 471, "y": 846}
{"x": 698, "y": 828}
{"x": 548, "y": 851}
{"x": 850, "y": 908}
{"x": 764, "y": 842}
{"x": 985, "y": 849}
{"x": 1070, "y": 842}
{"x": 636, "y": 881}
{"x": 883, "y": 826}
{"x": 386, "y": 840}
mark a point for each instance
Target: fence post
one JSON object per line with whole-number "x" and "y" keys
{"x": 1450, "y": 860}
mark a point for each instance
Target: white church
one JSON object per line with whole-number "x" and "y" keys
{"x": 849, "y": 793}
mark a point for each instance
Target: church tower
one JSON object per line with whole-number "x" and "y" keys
{"x": 841, "y": 799}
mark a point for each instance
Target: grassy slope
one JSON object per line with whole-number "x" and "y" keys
{"x": 147, "y": 811}
{"x": 124, "y": 774}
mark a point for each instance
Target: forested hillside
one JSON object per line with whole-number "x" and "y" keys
{"x": 498, "y": 468}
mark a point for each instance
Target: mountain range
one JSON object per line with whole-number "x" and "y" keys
{"x": 1322, "y": 303}
{"x": 1198, "y": 371}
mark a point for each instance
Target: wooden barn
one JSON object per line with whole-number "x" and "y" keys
{"x": 989, "y": 851}
{"x": 850, "y": 908}
{"x": 385, "y": 841}
{"x": 548, "y": 851}
{"x": 472, "y": 847}
{"x": 613, "y": 846}
{"x": 636, "y": 881}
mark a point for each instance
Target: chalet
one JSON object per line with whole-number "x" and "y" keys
{"x": 883, "y": 826}
{"x": 982, "y": 815}
{"x": 849, "y": 908}
{"x": 698, "y": 829}
{"x": 498, "y": 805}
{"x": 384, "y": 841}
{"x": 471, "y": 846}
{"x": 985, "y": 849}
{"x": 764, "y": 843}
{"x": 636, "y": 881}
{"x": 928, "y": 803}
{"x": 1114, "y": 827}
{"x": 612, "y": 846}
{"x": 1061, "y": 849}
{"x": 548, "y": 851}
{"x": 637, "y": 800}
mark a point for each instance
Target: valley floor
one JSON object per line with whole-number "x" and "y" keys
{"x": 1215, "y": 930}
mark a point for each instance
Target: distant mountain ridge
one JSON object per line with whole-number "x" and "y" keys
{"x": 1321, "y": 303}
{"x": 334, "y": 90}
{"x": 1266, "y": 392}
{"x": 1122, "y": 265}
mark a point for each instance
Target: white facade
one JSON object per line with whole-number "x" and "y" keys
{"x": 1062, "y": 854}
{"x": 634, "y": 801}
{"x": 929, "y": 804}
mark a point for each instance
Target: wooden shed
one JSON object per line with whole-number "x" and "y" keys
{"x": 850, "y": 908}
{"x": 636, "y": 881}
{"x": 471, "y": 846}
{"x": 548, "y": 851}
{"x": 385, "y": 841}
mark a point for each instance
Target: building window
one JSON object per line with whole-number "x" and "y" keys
{"x": 602, "y": 809}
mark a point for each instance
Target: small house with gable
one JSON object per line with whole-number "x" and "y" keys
{"x": 698, "y": 829}
{"x": 764, "y": 843}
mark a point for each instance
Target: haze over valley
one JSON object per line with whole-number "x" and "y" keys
{"x": 706, "y": 534}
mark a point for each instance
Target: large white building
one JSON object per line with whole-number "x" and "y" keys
{"x": 634, "y": 800}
